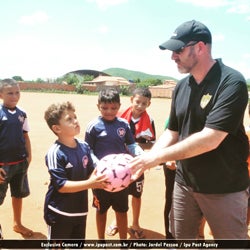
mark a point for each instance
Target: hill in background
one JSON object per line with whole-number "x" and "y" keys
{"x": 134, "y": 75}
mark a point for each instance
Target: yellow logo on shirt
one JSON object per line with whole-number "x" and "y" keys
{"x": 205, "y": 100}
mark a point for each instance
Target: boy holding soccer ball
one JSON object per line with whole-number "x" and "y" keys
{"x": 143, "y": 129}
{"x": 106, "y": 135}
{"x": 70, "y": 166}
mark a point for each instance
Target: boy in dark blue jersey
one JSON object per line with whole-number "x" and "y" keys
{"x": 105, "y": 135}
{"x": 70, "y": 166}
{"x": 15, "y": 151}
{"x": 143, "y": 129}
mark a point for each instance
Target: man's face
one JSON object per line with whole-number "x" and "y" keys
{"x": 185, "y": 58}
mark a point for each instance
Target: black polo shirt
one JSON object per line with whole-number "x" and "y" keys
{"x": 218, "y": 102}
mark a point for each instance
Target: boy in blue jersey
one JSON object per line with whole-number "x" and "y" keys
{"x": 70, "y": 166}
{"x": 143, "y": 129}
{"x": 15, "y": 151}
{"x": 105, "y": 135}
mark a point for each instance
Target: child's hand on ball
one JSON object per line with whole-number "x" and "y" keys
{"x": 98, "y": 181}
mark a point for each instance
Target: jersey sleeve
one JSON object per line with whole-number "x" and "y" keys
{"x": 89, "y": 139}
{"x": 129, "y": 136}
{"x": 26, "y": 127}
{"x": 55, "y": 163}
{"x": 134, "y": 149}
{"x": 89, "y": 134}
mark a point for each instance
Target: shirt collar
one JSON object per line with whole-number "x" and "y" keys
{"x": 214, "y": 71}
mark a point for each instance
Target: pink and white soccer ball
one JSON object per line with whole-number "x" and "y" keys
{"x": 115, "y": 167}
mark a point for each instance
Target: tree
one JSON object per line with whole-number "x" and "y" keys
{"x": 39, "y": 80}
{"x": 149, "y": 82}
{"x": 17, "y": 78}
{"x": 87, "y": 78}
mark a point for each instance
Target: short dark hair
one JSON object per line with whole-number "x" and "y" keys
{"x": 7, "y": 82}
{"x": 142, "y": 92}
{"x": 109, "y": 95}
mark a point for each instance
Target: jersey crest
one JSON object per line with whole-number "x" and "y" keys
{"x": 121, "y": 132}
{"x": 85, "y": 161}
{"x": 21, "y": 118}
{"x": 205, "y": 100}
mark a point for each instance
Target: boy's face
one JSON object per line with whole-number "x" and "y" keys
{"x": 68, "y": 125}
{"x": 139, "y": 104}
{"x": 10, "y": 95}
{"x": 109, "y": 110}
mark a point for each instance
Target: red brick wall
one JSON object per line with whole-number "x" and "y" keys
{"x": 161, "y": 92}
{"x": 156, "y": 92}
{"x": 89, "y": 87}
{"x": 42, "y": 86}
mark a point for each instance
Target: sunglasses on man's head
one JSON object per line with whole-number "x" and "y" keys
{"x": 179, "y": 51}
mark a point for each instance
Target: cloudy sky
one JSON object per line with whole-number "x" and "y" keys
{"x": 48, "y": 38}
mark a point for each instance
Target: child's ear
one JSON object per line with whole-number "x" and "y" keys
{"x": 149, "y": 103}
{"x": 56, "y": 129}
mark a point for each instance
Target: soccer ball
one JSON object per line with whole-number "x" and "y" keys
{"x": 115, "y": 167}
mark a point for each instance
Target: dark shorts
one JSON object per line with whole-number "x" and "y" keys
{"x": 136, "y": 187}
{"x": 16, "y": 176}
{"x": 249, "y": 196}
{"x": 103, "y": 200}
{"x": 67, "y": 227}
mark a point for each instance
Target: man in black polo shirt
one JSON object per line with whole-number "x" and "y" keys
{"x": 206, "y": 137}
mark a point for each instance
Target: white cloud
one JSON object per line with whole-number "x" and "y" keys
{"x": 104, "y": 4}
{"x": 35, "y": 18}
{"x": 239, "y": 7}
{"x": 234, "y": 6}
{"x": 40, "y": 58}
{"x": 103, "y": 29}
{"x": 206, "y": 3}
{"x": 247, "y": 56}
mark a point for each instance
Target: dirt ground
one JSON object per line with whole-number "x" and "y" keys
{"x": 41, "y": 138}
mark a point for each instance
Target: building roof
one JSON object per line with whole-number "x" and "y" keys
{"x": 90, "y": 72}
{"x": 110, "y": 80}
